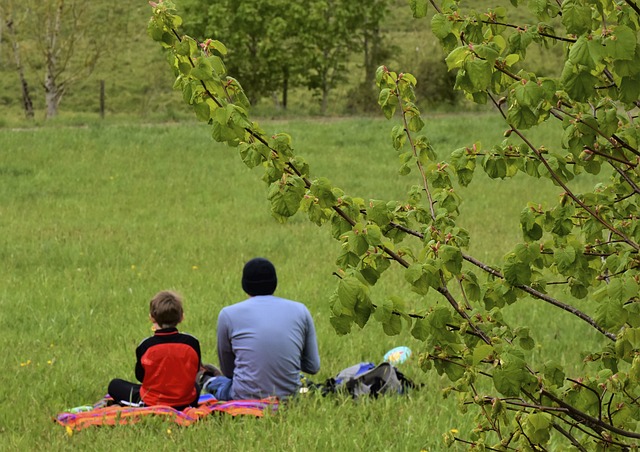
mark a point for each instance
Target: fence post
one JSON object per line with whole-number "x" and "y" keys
{"x": 102, "y": 99}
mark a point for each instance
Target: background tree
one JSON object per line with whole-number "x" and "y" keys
{"x": 261, "y": 37}
{"x": 8, "y": 19}
{"x": 330, "y": 37}
{"x": 61, "y": 40}
{"x": 65, "y": 38}
{"x": 585, "y": 247}
{"x": 286, "y": 44}
{"x": 375, "y": 51}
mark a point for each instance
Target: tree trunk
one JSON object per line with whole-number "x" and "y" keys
{"x": 325, "y": 97}
{"x": 285, "y": 86}
{"x": 53, "y": 90}
{"x": 24, "y": 86}
{"x": 53, "y": 94}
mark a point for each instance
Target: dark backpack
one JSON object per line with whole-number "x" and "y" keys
{"x": 368, "y": 379}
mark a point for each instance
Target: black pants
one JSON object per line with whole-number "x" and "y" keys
{"x": 125, "y": 393}
{"x": 128, "y": 394}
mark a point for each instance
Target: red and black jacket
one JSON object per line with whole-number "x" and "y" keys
{"x": 167, "y": 364}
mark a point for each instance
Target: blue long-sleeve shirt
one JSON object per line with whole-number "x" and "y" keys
{"x": 263, "y": 345}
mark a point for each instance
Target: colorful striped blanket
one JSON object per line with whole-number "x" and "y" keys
{"x": 79, "y": 418}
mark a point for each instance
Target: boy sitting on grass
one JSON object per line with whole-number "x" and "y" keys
{"x": 167, "y": 362}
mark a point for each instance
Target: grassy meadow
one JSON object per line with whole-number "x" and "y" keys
{"x": 94, "y": 220}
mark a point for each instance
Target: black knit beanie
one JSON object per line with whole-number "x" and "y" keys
{"x": 259, "y": 277}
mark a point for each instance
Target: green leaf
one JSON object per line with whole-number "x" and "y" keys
{"x": 451, "y": 257}
{"x": 441, "y": 26}
{"x": 471, "y": 286}
{"x": 220, "y": 47}
{"x": 322, "y": 189}
{"x": 384, "y": 310}
{"x": 634, "y": 373}
{"x": 579, "y": 84}
{"x": 203, "y": 111}
{"x": 479, "y": 72}
{"x": 537, "y": 427}
{"x": 481, "y": 352}
{"x": 582, "y": 52}
{"x": 203, "y": 71}
{"x": 252, "y": 154}
{"x": 418, "y": 8}
{"x": 554, "y": 373}
{"x": 420, "y": 329}
{"x": 517, "y": 273}
{"x": 620, "y": 44}
{"x": 511, "y": 59}
{"x": 380, "y": 212}
{"x": 370, "y": 274}
{"x": 629, "y": 90}
{"x": 528, "y": 93}
{"x": 285, "y": 198}
{"x": 578, "y": 289}
{"x": 531, "y": 229}
{"x": 622, "y": 289}
{"x": 341, "y": 324}
{"x": 358, "y": 244}
{"x": 393, "y": 326}
{"x": 453, "y": 370}
{"x": 362, "y": 311}
{"x": 416, "y": 123}
{"x": 349, "y": 291}
{"x": 422, "y": 276}
{"x": 611, "y": 314}
{"x": 564, "y": 257}
{"x": 511, "y": 375}
{"x": 456, "y": 58}
{"x": 373, "y": 234}
{"x": 576, "y": 17}
{"x": 347, "y": 259}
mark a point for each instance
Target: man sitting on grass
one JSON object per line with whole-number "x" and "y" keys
{"x": 167, "y": 362}
{"x": 263, "y": 342}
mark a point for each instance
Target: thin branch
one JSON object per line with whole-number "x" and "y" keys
{"x": 611, "y": 157}
{"x": 609, "y": 409}
{"x": 542, "y": 296}
{"x": 528, "y": 289}
{"x": 597, "y": 394}
{"x": 528, "y": 405}
{"x": 454, "y": 304}
{"x": 533, "y": 446}
{"x": 464, "y": 295}
{"x": 615, "y": 140}
{"x": 519, "y": 27}
{"x": 493, "y": 423}
{"x": 435, "y": 6}
{"x": 624, "y": 175}
{"x": 471, "y": 443}
{"x": 591, "y": 421}
{"x": 568, "y": 435}
{"x": 561, "y": 183}
{"x": 415, "y": 154}
{"x": 633, "y": 6}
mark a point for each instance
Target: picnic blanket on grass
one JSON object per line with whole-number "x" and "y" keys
{"x": 79, "y": 418}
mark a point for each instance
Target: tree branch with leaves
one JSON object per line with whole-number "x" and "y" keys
{"x": 588, "y": 241}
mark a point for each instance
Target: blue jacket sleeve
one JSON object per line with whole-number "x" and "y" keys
{"x": 310, "y": 362}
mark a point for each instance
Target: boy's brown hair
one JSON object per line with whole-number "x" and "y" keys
{"x": 166, "y": 309}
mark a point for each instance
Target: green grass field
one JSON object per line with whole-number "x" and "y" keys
{"x": 95, "y": 220}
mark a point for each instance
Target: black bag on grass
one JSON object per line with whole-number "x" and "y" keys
{"x": 368, "y": 379}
